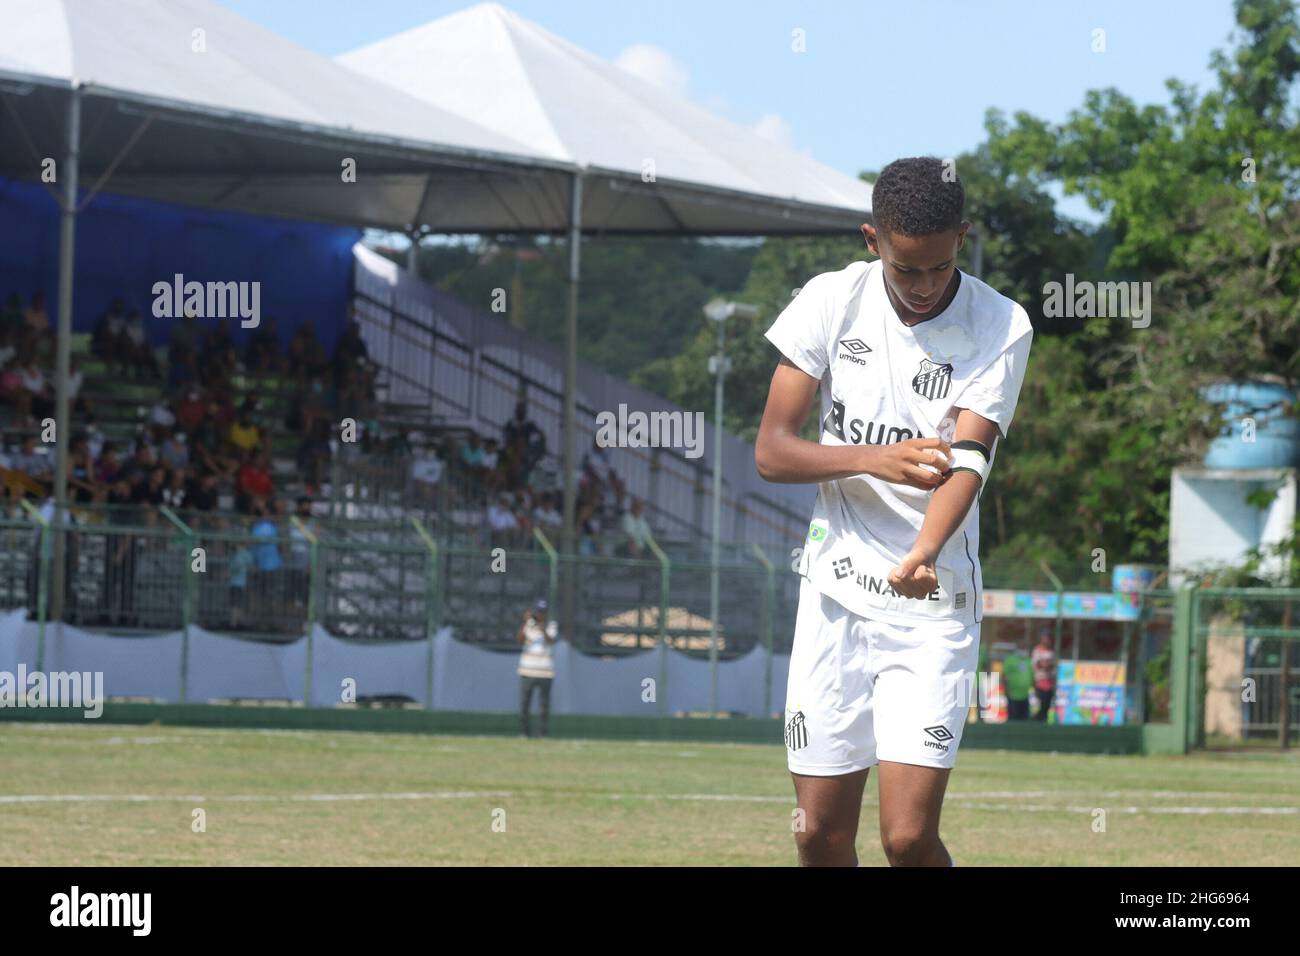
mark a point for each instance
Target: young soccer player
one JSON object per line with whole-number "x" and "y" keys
{"x": 920, "y": 368}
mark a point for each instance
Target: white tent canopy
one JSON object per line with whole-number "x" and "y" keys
{"x": 712, "y": 176}
{"x": 192, "y": 103}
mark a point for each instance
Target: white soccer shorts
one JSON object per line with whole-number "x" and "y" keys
{"x": 861, "y": 691}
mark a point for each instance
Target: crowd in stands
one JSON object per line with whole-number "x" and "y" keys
{"x": 198, "y": 447}
{"x": 204, "y": 445}
{"x": 507, "y": 479}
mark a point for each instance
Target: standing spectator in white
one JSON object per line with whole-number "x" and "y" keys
{"x": 637, "y": 530}
{"x": 502, "y": 523}
{"x": 536, "y": 663}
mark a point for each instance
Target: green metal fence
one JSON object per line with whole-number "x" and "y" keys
{"x": 1202, "y": 666}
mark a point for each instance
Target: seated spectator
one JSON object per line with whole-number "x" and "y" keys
{"x": 243, "y": 434}
{"x": 94, "y": 436}
{"x": 514, "y": 463}
{"x": 140, "y": 355}
{"x": 201, "y": 492}
{"x": 191, "y": 410}
{"x": 254, "y": 480}
{"x": 109, "y": 341}
{"x": 175, "y": 494}
{"x": 35, "y": 399}
{"x": 160, "y": 415}
{"x": 316, "y": 403}
{"x": 306, "y": 354}
{"x": 35, "y": 464}
{"x": 314, "y": 455}
{"x": 82, "y": 488}
{"x": 263, "y": 353}
{"x": 107, "y": 464}
{"x": 207, "y": 447}
{"x": 546, "y": 515}
{"x": 502, "y": 523}
{"x": 636, "y": 530}
{"x": 491, "y": 461}
{"x": 35, "y": 318}
{"x": 174, "y": 453}
{"x": 183, "y": 371}
{"x": 138, "y": 467}
{"x": 597, "y": 460}
{"x": 471, "y": 456}
{"x": 350, "y": 349}
{"x": 184, "y": 341}
{"x": 150, "y": 491}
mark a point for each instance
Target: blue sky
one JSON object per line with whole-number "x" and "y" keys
{"x": 878, "y": 80}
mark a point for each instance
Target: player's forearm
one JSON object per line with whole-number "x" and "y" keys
{"x": 947, "y": 510}
{"x": 789, "y": 459}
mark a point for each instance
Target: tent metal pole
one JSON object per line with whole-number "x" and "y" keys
{"x": 568, "y": 537}
{"x": 63, "y": 345}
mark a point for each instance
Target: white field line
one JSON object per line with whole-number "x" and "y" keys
{"x": 690, "y": 797}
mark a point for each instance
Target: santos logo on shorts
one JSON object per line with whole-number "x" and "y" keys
{"x": 796, "y": 733}
{"x": 940, "y": 734}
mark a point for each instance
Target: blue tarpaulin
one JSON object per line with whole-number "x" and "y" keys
{"x": 126, "y": 245}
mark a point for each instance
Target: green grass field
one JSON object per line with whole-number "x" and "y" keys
{"x": 86, "y": 794}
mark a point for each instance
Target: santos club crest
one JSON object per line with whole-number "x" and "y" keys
{"x": 932, "y": 381}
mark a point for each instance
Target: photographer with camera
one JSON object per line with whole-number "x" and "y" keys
{"x": 536, "y": 664}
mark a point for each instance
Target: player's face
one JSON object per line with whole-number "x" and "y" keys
{"x": 918, "y": 269}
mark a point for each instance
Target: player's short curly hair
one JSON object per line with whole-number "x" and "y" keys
{"x": 917, "y": 197}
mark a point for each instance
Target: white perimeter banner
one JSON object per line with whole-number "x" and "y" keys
{"x": 464, "y": 677}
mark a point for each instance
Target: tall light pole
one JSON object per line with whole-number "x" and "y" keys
{"x": 718, "y": 312}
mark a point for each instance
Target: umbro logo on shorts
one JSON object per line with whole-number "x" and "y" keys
{"x": 932, "y": 381}
{"x": 796, "y": 732}
{"x": 856, "y": 348}
{"x": 940, "y": 734}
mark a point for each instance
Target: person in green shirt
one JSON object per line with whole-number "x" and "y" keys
{"x": 1018, "y": 675}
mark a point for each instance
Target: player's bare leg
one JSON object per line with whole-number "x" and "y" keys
{"x": 831, "y": 807}
{"x": 911, "y": 798}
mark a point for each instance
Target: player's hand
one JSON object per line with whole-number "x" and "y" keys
{"x": 915, "y": 576}
{"x": 900, "y": 463}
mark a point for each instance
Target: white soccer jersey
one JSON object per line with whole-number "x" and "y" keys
{"x": 883, "y": 382}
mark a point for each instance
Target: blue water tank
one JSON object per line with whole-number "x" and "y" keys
{"x": 1276, "y": 436}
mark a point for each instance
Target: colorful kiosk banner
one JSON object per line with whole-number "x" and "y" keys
{"x": 1089, "y": 692}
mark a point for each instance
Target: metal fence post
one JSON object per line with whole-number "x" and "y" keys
{"x": 431, "y": 607}
{"x": 1180, "y": 664}
{"x": 552, "y": 559}
{"x": 187, "y": 599}
{"x": 769, "y": 599}
{"x": 43, "y": 581}
{"x": 665, "y": 577}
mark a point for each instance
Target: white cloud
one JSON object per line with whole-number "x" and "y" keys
{"x": 654, "y": 65}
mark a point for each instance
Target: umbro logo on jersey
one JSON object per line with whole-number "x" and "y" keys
{"x": 932, "y": 381}
{"x": 856, "y": 348}
{"x": 940, "y": 734}
{"x": 796, "y": 732}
